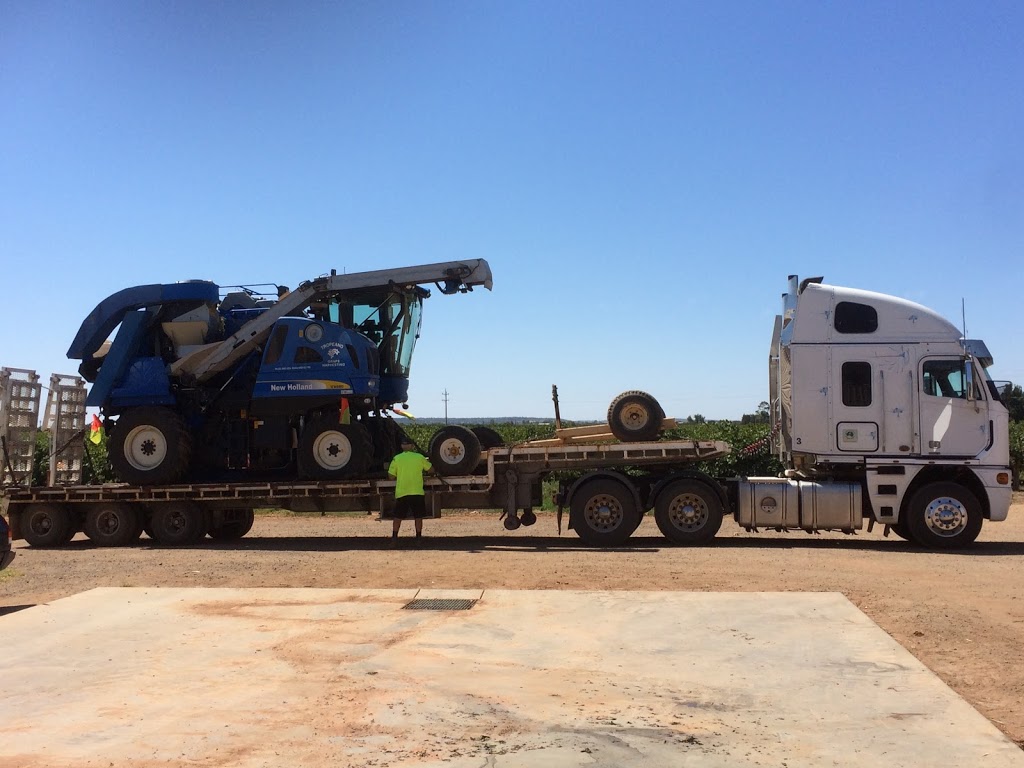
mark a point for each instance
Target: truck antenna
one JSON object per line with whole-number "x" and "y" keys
{"x": 963, "y": 314}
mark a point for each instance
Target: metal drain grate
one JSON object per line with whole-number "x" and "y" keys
{"x": 439, "y": 604}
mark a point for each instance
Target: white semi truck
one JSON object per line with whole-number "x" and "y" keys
{"x": 881, "y": 413}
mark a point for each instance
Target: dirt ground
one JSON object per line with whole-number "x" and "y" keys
{"x": 960, "y": 613}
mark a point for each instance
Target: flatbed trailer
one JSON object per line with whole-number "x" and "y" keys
{"x": 606, "y": 486}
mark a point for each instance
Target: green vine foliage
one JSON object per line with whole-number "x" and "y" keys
{"x": 1017, "y": 451}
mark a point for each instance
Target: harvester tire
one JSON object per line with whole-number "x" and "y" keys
{"x": 149, "y": 446}
{"x": 329, "y": 450}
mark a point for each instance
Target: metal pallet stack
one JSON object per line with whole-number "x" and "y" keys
{"x": 19, "y": 420}
{"x": 65, "y": 421}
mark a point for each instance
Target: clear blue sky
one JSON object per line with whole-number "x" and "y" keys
{"x": 641, "y": 176}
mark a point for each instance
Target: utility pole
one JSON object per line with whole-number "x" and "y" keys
{"x": 445, "y": 398}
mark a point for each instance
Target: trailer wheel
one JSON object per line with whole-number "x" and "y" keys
{"x": 944, "y": 516}
{"x": 635, "y": 417}
{"x": 454, "y": 451}
{"x": 331, "y": 451}
{"x": 46, "y": 525}
{"x": 112, "y": 525}
{"x": 688, "y": 512}
{"x": 178, "y": 522}
{"x": 149, "y": 446}
{"x": 603, "y": 512}
{"x": 239, "y": 524}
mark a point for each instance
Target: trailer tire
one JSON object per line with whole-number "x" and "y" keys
{"x": 688, "y": 512}
{"x": 944, "y": 515}
{"x": 332, "y": 451}
{"x": 454, "y": 451}
{"x": 111, "y": 525}
{"x": 488, "y": 438}
{"x": 635, "y": 417}
{"x": 46, "y": 525}
{"x": 233, "y": 529}
{"x": 175, "y": 523}
{"x": 603, "y": 512}
{"x": 149, "y": 446}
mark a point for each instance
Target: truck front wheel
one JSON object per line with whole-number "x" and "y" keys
{"x": 149, "y": 446}
{"x": 603, "y": 512}
{"x": 329, "y": 450}
{"x": 944, "y": 516}
{"x": 688, "y": 512}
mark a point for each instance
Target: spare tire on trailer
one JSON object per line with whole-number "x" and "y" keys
{"x": 488, "y": 438}
{"x": 454, "y": 451}
{"x": 149, "y": 446}
{"x": 635, "y": 417}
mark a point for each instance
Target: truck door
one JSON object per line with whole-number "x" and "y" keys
{"x": 870, "y": 403}
{"x": 951, "y": 423}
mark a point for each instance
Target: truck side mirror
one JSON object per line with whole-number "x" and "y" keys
{"x": 969, "y": 374}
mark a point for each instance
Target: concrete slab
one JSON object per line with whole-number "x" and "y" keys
{"x": 281, "y": 677}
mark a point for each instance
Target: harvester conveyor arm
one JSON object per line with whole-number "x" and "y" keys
{"x": 215, "y": 358}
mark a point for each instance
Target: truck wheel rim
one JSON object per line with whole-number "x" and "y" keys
{"x": 635, "y": 417}
{"x": 603, "y": 512}
{"x": 332, "y": 449}
{"x": 946, "y": 517}
{"x": 145, "y": 447}
{"x": 452, "y": 451}
{"x": 688, "y": 512}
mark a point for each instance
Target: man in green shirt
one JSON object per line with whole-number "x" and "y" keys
{"x": 407, "y": 469}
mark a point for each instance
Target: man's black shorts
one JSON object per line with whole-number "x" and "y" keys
{"x": 410, "y": 507}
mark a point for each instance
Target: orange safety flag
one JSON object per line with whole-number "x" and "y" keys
{"x": 96, "y": 433}
{"x": 400, "y": 412}
{"x": 344, "y": 417}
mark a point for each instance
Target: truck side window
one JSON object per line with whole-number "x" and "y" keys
{"x": 857, "y": 384}
{"x": 944, "y": 378}
{"x": 851, "y": 317}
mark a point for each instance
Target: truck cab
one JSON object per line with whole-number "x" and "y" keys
{"x": 882, "y": 402}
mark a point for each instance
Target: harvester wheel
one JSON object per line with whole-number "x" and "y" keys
{"x": 635, "y": 417}
{"x": 332, "y": 451}
{"x": 454, "y": 451}
{"x": 149, "y": 446}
